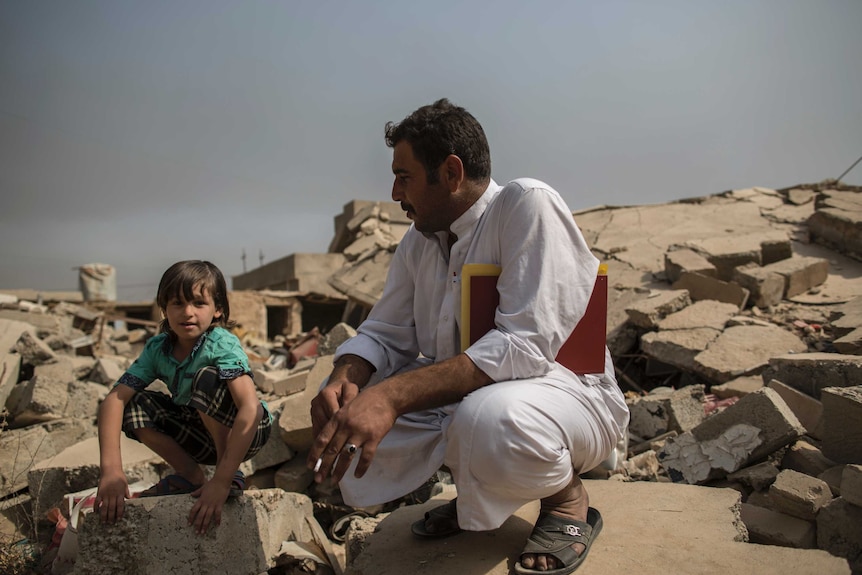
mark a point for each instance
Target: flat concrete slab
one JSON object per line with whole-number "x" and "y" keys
{"x": 649, "y": 529}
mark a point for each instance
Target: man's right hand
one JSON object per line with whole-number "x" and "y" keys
{"x": 337, "y": 393}
{"x": 111, "y": 496}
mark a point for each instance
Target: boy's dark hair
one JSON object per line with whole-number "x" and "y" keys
{"x": 439, "y": 129}
{"x": 179, "y": 282}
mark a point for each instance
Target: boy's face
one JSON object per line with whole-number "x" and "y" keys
{"x": 190, "y": 319}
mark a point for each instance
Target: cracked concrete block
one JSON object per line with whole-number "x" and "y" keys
{"x": 20, "y": 449}
{"x": 294, "y": 475}
{"x": 647, "y": 312}
{"x": 729, "y": 252}
{"x": 839, "y": 531}
{"x": 293, "y": 383}
{"x": 649, "y": 416}
{"x": 806, "y": 408}
{"x": 705, "y": 313}
{"x": 806, "y": 458}
{"x": 775, "y": 250}
{"x": 844, "y": 318}
{"x": 832, "y": 477}
{"x": 766, "y": 288}
{"x": 39, "y": 399}
{"x": 837, "y": 221}
{"x": 841, "y": 430}
{"x": 685, "y": 260}
{"x": 33, "y": 350}
{"x": 67, "y": 367}
{"x": 768, "y": 527}
{"x": 811, "y": 372}
{"x": 758, "y": 477}
{"x": 851, "y": 484}
{"x": 678, "y": 347}
{"x": 850, "y": 344}
{"x": 799, "y": 495}
{"x": 685, "y": 408}
{"x": 153, "y": 537}
{"x": 800, "y": 273}
{"x": 702, "y": 287}
{"x": 107, "y": 371}
{"x": 294, "y": 423}
{"x": 76, "y": 468}
{"x": 339, "y": 333}
{"x": 744, "y": 350}
{"x": 750, "y": 429}
{"x": 738, "y": 387}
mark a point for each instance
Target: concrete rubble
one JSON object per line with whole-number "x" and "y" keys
{"x": 734, "y": 321}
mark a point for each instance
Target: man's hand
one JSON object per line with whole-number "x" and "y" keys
{"x": 363, "y": 421}
{"x": 211, "y": 497}
{"x": 111, "y": 496}
{"x": 331, "y": 398}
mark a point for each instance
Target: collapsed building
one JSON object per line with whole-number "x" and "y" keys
{"x": 734, "y": 322}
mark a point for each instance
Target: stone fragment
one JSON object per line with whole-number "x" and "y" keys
{"x": 832, "y": 477}
{"x": 655, "y": 414}
{"x": 846, "y": 317}
{"x": 647, "y": 312}
{"x": 758, "y": 477}
{"x": 837, "y": 221}
{"x": 806, "y": 408}
{"x": 739, "y": 387}
{"x": 753, "y": 427}
{"x": 108, "y": 371}
{"x": 339, "y": 333}
{"x": 678, "y": 347}
{"x": 799, "y": 495}
{"x": 293, "y": 383}
{"x": 294, "y": 423}
{"x": 33, "y": 350}
{"x": 800, "y": 273}
{"x": 743, "y": 350}
{"x": 706, "y": 313}
{"x": 685, "y": 260}
{"x": 768, "y": 527}
{"x": 294, "y": 475}
{"x": 806, "y": 458}
{"x": 839, "y": 531}
{"x": 702, "y": 287}
{"x": 842, "y": 431}
{"x": 727, "y": 253}
{"x": 851, "y": 484}
{"x": 153, "y": 538}
{"x": 766, "y": 287}
{"x": 850, "y": 344}
{"x": 811, "y": 372}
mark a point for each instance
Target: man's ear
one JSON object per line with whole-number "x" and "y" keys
{"x": 453, "y": 171}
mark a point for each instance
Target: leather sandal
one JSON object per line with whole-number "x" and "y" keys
{"x": 554, "y": 536}
{"x": 446, "y": 514}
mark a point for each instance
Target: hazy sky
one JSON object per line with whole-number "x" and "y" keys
{"x": 138, "y": 133}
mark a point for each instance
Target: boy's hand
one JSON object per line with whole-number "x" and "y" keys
{"x": 211, "y": 497}
{"x": 111, "y": 496}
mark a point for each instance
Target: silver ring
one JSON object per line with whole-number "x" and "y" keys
{"x": 351, "y": 448}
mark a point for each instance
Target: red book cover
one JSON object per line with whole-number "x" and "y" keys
{"x": 583, "y": 352}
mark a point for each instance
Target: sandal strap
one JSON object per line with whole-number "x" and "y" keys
{"x": 555, "y": 536}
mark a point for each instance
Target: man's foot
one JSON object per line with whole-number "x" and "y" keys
{"x": 442, "y": 521}
{"x": 572, "y": 503}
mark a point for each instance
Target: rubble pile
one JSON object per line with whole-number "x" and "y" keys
{"x": 734, "y": 321}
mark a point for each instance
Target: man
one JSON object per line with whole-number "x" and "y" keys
{"x": 510, "y": 423}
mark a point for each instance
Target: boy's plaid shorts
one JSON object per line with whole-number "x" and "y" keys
{"x": 183, "y": 423}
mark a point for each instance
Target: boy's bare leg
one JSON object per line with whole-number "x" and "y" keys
{"x": 571, "y": 502}
{"x": 171, "y": 452}
{"x": 218, "y": 432}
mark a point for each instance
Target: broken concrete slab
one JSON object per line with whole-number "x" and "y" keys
{"x": 657, "y": 413}
{"x": 744, "y": 350}
{"x": 738, "y": 387}
{"x": 851, "y": 484}
{"x": 647, "y": 312}
{"x": 685, "y": 260}
{"x": 766, "y": 288}
{"x": 76, "y": 468}
{"x": 753, "y": 427}
{"x": 811, "y": 372}
{"x": 850, "y": 344}
{"x": 681, "y": 520}
{"x": 294, "y": 423}
{"x": 799, "y": 495}
{"x": 806, "y": 408}
{"x": 769, "y": 527}
{"x": 705, "y": 313}
{"x": 839, "y": 531}
{"x": 20, "y": 449}
{"x": 806, "y": 458}
{"x": 678, "y": 347}
{"x": 702, "y": 287}
{"x": 847, "y": 317}
{"x": 729, "y": 252}
{"x": 837, "y": 221}
{"x": 800, "y": 273}
{"x": 33, "y": 350}
{"x": 841, "y": 430}
{"x": 153, "y": 538}
{"x": 758, "y": 477}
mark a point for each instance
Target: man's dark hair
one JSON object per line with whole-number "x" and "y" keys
{"x": 439, "y": 129}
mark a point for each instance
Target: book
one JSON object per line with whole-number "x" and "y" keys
{"x": 584, "y": 350}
